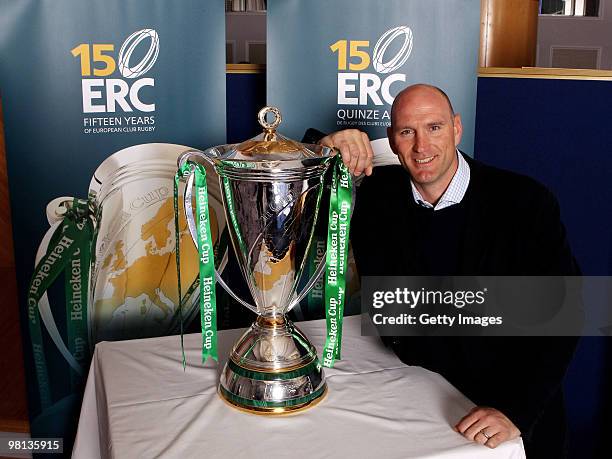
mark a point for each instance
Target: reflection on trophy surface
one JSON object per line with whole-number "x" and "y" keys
{"x": 271, "y": 188}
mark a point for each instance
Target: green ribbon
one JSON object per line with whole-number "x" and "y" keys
{"x": 229, "y": 199}
{"x": 69, "y": 250}
{"x": 336, "y": 260}
{"x": 76, "y": 279}
{"x": 208, "y": 309}
{"x": 183, "y": 171}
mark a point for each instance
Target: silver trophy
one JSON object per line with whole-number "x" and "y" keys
{"x": 271, "y": 188}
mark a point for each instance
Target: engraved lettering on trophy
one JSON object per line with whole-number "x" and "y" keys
{"x": 317, "y": 290}
{"x": 279, "y": 205}
{"x": 149, "y": 198}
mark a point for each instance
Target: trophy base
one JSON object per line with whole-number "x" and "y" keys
{"x": 273, "y": 370}
{"x": 270, "y": 411}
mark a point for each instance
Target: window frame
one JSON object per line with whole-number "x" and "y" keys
{"x": 571, "y": 4}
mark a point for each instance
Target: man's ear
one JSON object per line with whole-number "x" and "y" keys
{"x": 457, "y": 128}
{"x": 391, "y": 139}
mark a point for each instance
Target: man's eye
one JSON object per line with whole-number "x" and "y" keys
{"x": 406, "y": 132}
{"x": 436, "y": 127}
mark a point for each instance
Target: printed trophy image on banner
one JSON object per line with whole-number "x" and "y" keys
{"x": 93, "y": 89}
{"x": 120, "y": 275}
{"x": 272, "y": 188}
{"x": 134, "y": 279}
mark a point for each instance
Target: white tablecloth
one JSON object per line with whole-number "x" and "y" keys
{"x": 139, "y": 403}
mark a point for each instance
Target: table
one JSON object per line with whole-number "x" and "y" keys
{"x": 140, "y": 403}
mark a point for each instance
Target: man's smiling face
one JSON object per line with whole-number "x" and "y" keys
{"x": 424, "y": 134}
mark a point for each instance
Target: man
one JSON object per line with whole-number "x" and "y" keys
{"x": 442, "y": 213}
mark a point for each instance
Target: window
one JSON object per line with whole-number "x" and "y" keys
{"x": 570, "y": 7}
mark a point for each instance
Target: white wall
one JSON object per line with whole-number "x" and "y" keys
{"x": 567, "y": 31}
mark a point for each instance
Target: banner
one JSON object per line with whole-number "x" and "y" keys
{"x": 338, "y": 65}
{"x": 343, "y": 63}
{"x": 80, "y": 81}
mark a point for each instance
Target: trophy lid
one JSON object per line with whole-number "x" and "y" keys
{"x": 271, "y": 145}
{"x": 267, "y": 156}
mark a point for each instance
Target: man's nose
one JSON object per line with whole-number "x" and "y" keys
{"x": 421, "y": 143}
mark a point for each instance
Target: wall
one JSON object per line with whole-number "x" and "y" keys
{"x": 242, "y": 27}
{"x": 529, "y": 125}
{"x": 577, "y": 32}
{"x": 13, "y": 406}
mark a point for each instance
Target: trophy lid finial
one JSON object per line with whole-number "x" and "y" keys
{"x": 262, "y": 117}
{"x": 269, "y": 128}
{"x": 269, "y": 142}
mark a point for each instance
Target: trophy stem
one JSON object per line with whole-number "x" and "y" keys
{"x": 273, "y": 369}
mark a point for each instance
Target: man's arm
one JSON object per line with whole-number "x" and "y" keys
{"x": 530, "y": 375}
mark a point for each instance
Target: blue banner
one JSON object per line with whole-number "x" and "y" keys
{"x": 337, "y": 65}
{"x": 80, "y": 81}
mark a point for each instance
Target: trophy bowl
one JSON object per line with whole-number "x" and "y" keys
{"x": 271, "y": 189}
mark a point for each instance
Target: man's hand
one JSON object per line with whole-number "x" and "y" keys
{"x": 483, "y": 422}
{"x": 355, "y": 149}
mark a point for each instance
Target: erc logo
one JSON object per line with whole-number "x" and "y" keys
{"x": 359, "y": 88}
{"x": 105, "y": 95}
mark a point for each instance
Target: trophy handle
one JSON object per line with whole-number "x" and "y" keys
{"x": 310, "y": 284}
{"x": 192, "y": 231}
{"x": 190, "y": 154}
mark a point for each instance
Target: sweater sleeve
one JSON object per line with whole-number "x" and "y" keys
{"x": 548, "y": 249}
{"x": 530, "y": 378}
{"x": 312, "y": 136}
{"x": 534, "y": 367}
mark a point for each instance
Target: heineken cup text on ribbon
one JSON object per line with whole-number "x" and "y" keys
{"x": 337, "y": 254}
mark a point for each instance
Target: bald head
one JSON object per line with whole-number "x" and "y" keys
{"x": 424, "y": 134}
{"x": 419, "y": 90}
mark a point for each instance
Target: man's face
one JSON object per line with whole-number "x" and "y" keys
{"x": 424, "y": 135}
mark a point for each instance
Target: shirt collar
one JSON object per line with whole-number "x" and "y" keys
{"x": 455, "y": 191}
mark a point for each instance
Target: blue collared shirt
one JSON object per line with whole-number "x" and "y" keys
{"x": 455, "y": 191}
